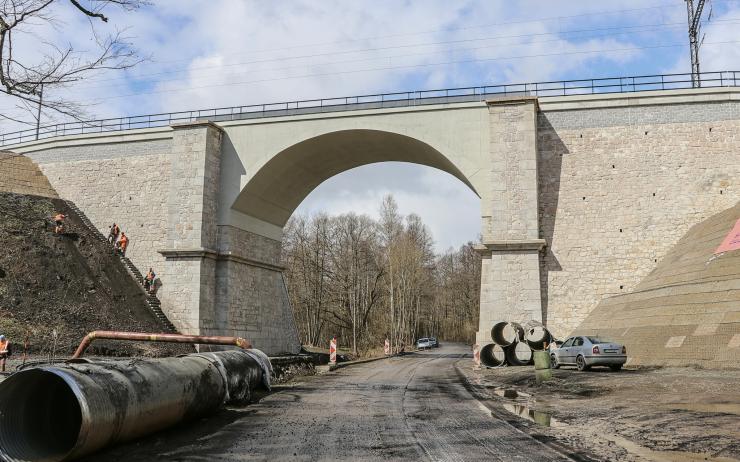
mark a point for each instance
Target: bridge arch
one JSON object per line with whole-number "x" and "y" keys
{"x": 275, "y": 190}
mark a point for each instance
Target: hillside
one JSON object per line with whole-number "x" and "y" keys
{"x": 687, "y": 310}
{"x": 70, "y": 284}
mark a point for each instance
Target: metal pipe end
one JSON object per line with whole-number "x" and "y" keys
{"x": 40, "y": 417}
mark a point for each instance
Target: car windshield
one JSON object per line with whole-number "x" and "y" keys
{"x": 598, "y": 340}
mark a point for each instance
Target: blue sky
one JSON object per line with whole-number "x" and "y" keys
{"x": 212, "y": 53}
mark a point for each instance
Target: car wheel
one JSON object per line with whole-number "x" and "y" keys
{"x": 615, "y": 367}
{"x": 554, "y": 362}
{"x": 581, "y": 363}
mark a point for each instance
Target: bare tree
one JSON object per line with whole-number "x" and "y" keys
{"x": 371, "y": 280}
{"x": 31, "y": 79}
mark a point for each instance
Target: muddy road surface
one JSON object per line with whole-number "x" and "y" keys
{"x": 415, "y": 407}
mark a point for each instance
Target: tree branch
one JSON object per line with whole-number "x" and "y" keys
{"x": 88, "y": 12}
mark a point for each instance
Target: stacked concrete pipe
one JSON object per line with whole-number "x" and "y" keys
{"x": 514, "y": 344}
{"x": 63, "y": 412}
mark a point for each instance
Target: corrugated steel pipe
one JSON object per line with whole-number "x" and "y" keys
{"x": 167, "y": 338}
{"x": 60, "y": 413}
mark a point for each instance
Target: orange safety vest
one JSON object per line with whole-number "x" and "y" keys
{"x": 123, "y": 242}
{"x": 4, "y": 346}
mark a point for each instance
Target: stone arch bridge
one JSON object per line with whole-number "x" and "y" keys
{"x": 580, "y": 196}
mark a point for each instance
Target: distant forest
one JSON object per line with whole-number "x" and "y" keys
{"x": 365, "y": 280}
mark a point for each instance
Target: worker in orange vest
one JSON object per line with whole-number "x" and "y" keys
{"x": 122, "y": 243}
{"x": 59, "y": 221}
{"x": 4, "y": 351}
{"x": 113, "y": 234}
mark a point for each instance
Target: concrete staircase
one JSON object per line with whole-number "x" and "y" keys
{"x": 687, "y": 310}
{"x": 151, "y": 300}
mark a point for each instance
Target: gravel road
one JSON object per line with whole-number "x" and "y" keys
{"x": 408, "y": 408}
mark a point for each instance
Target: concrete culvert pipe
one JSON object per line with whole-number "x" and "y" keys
{"x": 492, "y": 355}
{"x": 537, "y": 336}
{"x": 518, "y": 354}
{"x": 60, "y": 413}
{"x": 505, "y": 333}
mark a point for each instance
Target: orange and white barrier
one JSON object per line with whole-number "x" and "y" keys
{"x": 387, "y": 347}
{"x": 333, "y": 351}
{"x": 476, "y": 355}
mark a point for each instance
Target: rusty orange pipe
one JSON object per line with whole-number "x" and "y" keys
{"x": 168, "y": 338}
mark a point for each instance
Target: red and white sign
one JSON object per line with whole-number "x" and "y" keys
{"x": 387, "y": 347}
{"x": 476, "y": 354}
{"x": 333, "y": 351}
{"x": 732, "y": 241}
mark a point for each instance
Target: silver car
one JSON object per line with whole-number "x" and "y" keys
{"x": 585, "y": 351}
{"x": 423, "y": 343}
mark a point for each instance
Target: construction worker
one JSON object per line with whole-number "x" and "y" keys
{"x": 113, "y": 234}
{"x": 59, "y": 222}
{"x": 149, "y": 280}
{"x": 4, "y": 351}
{"x": 122, "y": 244}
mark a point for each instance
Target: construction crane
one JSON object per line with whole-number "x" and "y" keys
{"x": 694, "y": 44}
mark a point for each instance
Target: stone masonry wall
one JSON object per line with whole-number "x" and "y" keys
{"x": 194, "y": 180}
{"x": 253, "y": 303}
{"x": 252, "y": 299}
{"x": 619, "y": 187}
{"x": 510, "y": 278}
{"x": 511, "y": 203}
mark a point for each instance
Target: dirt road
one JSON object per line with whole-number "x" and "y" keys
{"x": 409, "y": 408}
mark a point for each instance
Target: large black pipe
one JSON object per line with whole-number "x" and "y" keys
{"x": 59, "y": 413}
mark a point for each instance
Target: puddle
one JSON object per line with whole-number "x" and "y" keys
{"x": 540, "y": 418}
{"x": 522, "y": 410}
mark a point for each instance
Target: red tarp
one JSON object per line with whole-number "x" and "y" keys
{"x": 732, "y": 241}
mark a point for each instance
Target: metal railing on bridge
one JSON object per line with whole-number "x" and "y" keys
{"x": 378, "y": 101}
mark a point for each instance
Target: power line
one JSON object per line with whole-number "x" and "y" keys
{"x": 421, "y": 65}
{"x": 553, "y": 18}
{"x": 635, "y": 28}
{"x": 627, "y": 29}
{"x": 411, "y": 66}
{"x": 644, "y": 28}
{"x": 432, "y": 31}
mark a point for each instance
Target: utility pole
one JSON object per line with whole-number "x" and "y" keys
{"x": 694, "y": 26}
{"x": 38, "y": 113}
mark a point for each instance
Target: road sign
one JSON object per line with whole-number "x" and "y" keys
{"x": 333, "y": 351}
